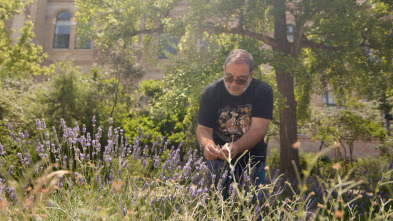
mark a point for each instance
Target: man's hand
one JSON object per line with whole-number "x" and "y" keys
{"x": 256, "y": 133}
{"x": 210, "y": 151}
{"x": 228, "y": 148}
{"x": 205, "y": 139}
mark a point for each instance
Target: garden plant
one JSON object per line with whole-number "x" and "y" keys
{"x": 75, "y": 174}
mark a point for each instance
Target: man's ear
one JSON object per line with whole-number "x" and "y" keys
{"x": 251, "y": 74}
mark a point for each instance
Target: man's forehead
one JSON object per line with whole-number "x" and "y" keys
{"x": 231, "y": 75}
{"x": 237, "y": 63}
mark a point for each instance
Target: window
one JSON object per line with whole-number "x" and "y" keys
{"x": 168, "y": 45}
{"x": 62, "y": 30}
{"x": 328, "y": 99}
{"x": 291, "y": 33}
{"x": 78, "y": 44}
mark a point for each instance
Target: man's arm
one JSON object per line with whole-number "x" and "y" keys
{"x": 205, "y": 139}
{"x": 257, "y": 132}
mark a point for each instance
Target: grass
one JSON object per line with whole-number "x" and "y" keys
{"x": 77, "y": 179}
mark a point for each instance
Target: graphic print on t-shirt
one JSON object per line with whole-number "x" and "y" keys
{"x": 233, "y": 121}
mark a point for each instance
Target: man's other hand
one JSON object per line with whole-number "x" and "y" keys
{"x": 210, "y": 151}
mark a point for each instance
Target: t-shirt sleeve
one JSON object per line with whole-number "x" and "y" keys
{"x": 207, "y": 110}
{"x": 263, "y": 103}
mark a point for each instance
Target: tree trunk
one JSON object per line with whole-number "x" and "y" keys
{"x": 285, "y": 84}
{"x": 288, "y": 125}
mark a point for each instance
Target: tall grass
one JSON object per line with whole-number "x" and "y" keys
{"x": 81, "y": 175}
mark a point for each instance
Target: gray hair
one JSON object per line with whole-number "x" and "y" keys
{"x": 239, "y": 56}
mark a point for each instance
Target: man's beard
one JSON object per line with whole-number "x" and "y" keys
{"x": 237, "y": 88}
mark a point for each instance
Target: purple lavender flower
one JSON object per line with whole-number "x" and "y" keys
{"x": 10, "y": 127}
{"x": 20, "y": 156}
{"x": 11, "y": 192}
{"x": 26, "y": 159}
{"x": 38, "y": 124}
{"x": 111, "y": 177}
{"x": 99, "y": 133}
{"x": 157, "y": 162}
{"x": 2, "y": 152}
{"x": 13, "y": 136}
{"x": 43, "y": 124}
{"x": 124, "y": 209}
{"x": 110, "y": 132}
{"x": 63, "y": 123}
{"x": 11, "y": 169}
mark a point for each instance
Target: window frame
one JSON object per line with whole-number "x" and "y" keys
{"x": 62, "y": 40}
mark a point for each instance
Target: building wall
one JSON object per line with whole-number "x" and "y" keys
{"x": 43, "y": 14}
{"x": 307, "y": 145}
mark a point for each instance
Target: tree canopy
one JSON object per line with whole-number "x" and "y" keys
{"x": 23, "y": 57}
{"x": 330, "y": 41}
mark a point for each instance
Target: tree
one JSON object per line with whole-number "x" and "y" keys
{"x": 376, "y": 67}
{"x": 18, "y": 60}
{"x": 327, "y": 41}
{"x": 75, "y": 97}
{"x": 21, "y": 58}
{"x": 356, "y": 121}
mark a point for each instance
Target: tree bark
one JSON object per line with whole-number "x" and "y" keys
{"x": 285, "y": 84}
{"x": 288, "y": 125}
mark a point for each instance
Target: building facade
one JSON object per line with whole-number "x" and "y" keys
{"x": 55, "y": 31}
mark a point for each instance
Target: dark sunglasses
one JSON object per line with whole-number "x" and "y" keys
{"x": 239, "y": 81}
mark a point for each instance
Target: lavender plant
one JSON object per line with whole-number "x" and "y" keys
{"x": 88, "y": 175}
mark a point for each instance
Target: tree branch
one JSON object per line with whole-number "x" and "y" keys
{"x": 314, "y": 45}
{"x": 147, "y": 31}
{"x": 261, "y": 37}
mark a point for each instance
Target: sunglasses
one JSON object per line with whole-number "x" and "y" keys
{"x": 239, "y": 81}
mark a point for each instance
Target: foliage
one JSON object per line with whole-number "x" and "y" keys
{"x": 355, "y": 121}
{"x": 170, "y": 124}
{"x": 327, "y": 49}
{"x": 76, "y": 98}
{"x": 375, "y": 68}
{"x": 18, "y": 106}
{"x": 136, "y": 182}
{"x": 386, "y": 147}
{"x": 21, "y": 58}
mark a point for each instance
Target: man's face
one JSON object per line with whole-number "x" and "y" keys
{"x": 237, "y": 77}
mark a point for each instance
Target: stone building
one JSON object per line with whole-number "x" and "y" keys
{"x": 55, "y": 30}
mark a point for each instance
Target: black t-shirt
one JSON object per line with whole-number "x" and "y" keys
{"x": 230, "y": 116}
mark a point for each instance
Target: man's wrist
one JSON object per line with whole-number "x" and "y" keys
{"x": 207, "y": 142}
{"x": 236, "y": 149}
{"x": 210, "y": 142}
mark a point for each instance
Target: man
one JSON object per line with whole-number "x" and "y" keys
{"x": 234, "y": 116}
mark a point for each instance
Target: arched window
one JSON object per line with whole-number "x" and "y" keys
{"x": 62, "y": 30}
{"x": 168, "y": 45}
{"x": 328, "y": 99}
{"x": 291, "y": 33}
